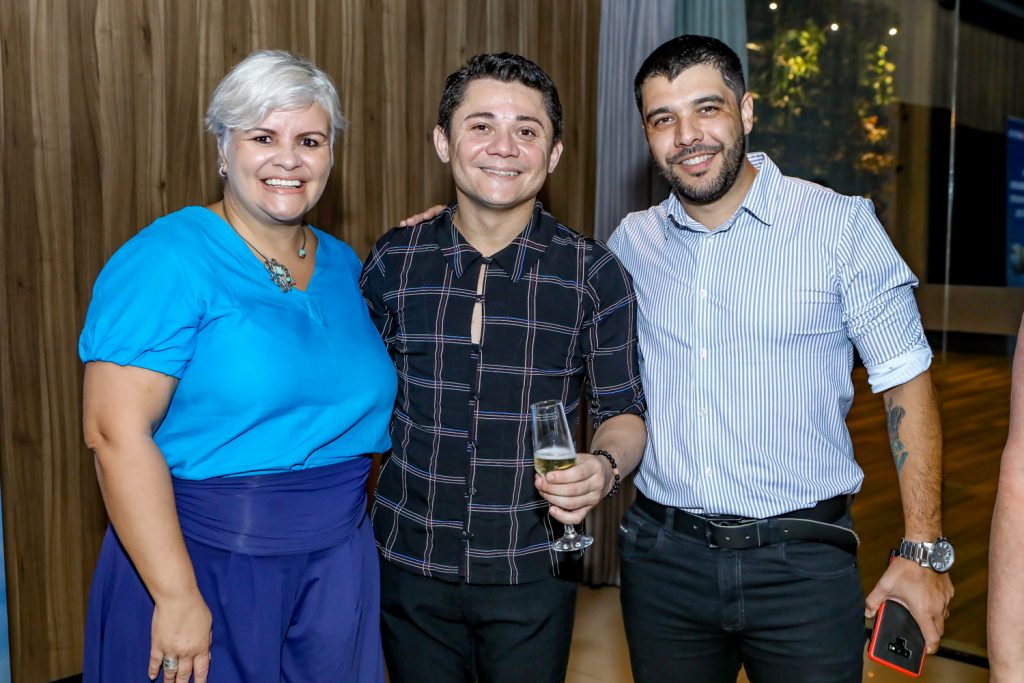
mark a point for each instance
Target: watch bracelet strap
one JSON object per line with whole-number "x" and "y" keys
{"x": 615, "y": 470}
{"x": 916, "y": 552}
{"x": 922, "y": 552}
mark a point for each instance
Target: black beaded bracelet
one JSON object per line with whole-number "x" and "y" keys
{"x": 615, "y": 470}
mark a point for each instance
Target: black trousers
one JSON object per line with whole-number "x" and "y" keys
{"x": 445, "y": 632}
{"x": 788, "y": 613}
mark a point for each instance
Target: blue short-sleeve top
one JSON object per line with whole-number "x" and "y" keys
{"x": 268, "y": 381}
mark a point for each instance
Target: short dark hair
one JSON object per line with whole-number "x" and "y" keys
{"x": 682, "y": 52}
{"x": 507, "y": 68}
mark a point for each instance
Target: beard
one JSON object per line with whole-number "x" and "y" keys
{"x": 715, "y": 188}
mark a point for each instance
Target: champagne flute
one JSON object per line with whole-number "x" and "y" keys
{"x": 553, "y": 449}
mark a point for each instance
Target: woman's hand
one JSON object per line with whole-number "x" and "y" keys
{"x": 122, "y": 407}
{"x": 181, "y": 631}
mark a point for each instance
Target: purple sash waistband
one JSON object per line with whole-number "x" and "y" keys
{"x": 275, "y": 514}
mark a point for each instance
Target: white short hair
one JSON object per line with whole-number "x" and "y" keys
{"x": 267, "y": 81}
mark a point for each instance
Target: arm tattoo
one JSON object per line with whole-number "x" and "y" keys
{"x": 895, "y": 416}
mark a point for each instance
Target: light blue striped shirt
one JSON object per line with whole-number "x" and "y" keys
{"x": 746, "y": 338}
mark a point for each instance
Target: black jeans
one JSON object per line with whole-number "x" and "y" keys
{"x": 789, "y": 613}
{"x": 434, "y": 630}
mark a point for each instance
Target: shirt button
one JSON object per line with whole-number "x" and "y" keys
{"x": 702, "y": 413}
{"x": 703, "y": 293}
{"x": 703, "y": 352}
{"x": 707, "y": 472}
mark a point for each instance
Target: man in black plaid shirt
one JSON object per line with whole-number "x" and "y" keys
{"x": 488, "y": 307}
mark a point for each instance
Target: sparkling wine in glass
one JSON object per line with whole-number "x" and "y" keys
{"x": 553, "y": 449}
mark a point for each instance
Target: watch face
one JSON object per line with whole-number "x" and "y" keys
{"x": 941, "y": 556}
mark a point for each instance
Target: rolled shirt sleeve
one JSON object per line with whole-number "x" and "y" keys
{"x": 880, "y": 312}
{"x": 610, "y": 340}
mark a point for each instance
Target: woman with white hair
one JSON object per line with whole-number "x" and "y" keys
{"x": 234, "y": 386}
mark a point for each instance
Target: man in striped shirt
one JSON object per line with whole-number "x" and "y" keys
{"x": 753, "y": 289}
{"x": 488, "y": 307}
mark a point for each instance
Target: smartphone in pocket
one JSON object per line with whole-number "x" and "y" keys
{"x": 896, "y": 640}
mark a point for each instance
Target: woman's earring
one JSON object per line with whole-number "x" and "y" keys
{"x": 223, "y": 170}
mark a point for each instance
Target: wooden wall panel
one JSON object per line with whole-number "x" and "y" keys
{"x": 101, "y": 106}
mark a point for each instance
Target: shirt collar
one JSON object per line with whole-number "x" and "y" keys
{"x": 760, "y": 200}
{"x": 515, "y": 259}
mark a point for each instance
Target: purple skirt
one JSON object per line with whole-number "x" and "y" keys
{"x": 287, "y": 565}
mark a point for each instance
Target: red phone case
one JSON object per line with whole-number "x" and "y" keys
{"x": 896, "y": 640}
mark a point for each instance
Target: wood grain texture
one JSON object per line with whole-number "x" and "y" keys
{"x": 101, "y": 106}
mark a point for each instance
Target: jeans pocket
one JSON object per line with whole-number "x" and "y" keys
{"x": 814, "y": 560}
{"x": 639, "y": 535}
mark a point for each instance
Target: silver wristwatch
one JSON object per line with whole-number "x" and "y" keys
{"x": 937, "y": 556}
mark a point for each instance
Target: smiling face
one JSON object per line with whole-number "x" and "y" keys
{"x": 277, "y": 171}
{"x": 695, "y": 129}
{"x": 501, "y": 146}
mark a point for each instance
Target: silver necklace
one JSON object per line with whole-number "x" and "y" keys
{"x": 279, "y": 273}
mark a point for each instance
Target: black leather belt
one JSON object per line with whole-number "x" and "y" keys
{"x": 737, "y": 533}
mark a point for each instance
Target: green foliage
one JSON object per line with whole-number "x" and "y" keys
{"x": 826, "y": 99}
{"x": 794, "y": 64}
{"x": 878, "y": 76}
{"x": 877, "y": 80}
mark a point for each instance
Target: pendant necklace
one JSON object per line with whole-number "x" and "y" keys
{"x": 279, "y": 273}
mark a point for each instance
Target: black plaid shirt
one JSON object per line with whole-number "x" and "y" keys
{"x": 455, "y": 498}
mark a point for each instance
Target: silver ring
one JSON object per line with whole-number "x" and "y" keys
{"x": 170, "y": 663}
